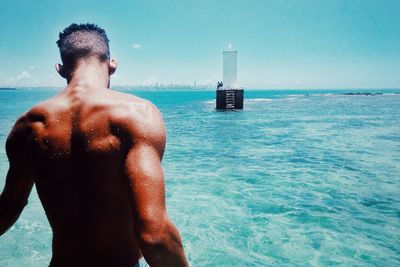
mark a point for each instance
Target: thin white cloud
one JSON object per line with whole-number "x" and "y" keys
{"x": 136, "y": 46}
{"x": 24, "y": 75}
{"x": 14, "y": 81}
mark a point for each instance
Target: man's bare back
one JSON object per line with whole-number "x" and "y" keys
{"x": 81, "y": 143}
{"x": 95, "y": 157}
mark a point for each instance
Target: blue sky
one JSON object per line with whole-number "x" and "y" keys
{"x": 281, "y": 44}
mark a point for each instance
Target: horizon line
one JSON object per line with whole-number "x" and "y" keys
{"x": 178, "y": 86}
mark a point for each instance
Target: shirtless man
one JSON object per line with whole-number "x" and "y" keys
{"x": 95, "y": 157}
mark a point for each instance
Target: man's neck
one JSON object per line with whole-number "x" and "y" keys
{"x": 91, "y": 75}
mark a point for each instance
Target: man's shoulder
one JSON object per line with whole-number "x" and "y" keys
{"x": 40, "y": 111}
{"x": 26, "y": 123}
{"x": 132, "y": 109}
{"x": 35, "y": 118}
{"x": 21, "y": 132}
{"x": 138, "y": 117}
{"x": 37, "y": 113}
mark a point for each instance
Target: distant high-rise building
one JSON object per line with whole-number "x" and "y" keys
{"x": 228, "y": 94}
{"x": 230, "y": 68}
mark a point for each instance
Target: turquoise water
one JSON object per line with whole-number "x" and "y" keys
{"x": 298, "y": 178}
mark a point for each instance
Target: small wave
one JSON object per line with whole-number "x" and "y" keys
{"x": 327, "y": 94}
{"x": 295, "y": 95}
{"x": 259, "y": 100}
{"x": 396, "y": 94}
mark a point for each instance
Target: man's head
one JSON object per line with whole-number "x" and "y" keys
{"x": 82, "y": 41}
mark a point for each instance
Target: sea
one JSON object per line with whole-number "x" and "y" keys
{"x": 296, "y": 178}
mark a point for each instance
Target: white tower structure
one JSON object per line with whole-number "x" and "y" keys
{"x": 230, "y": 68}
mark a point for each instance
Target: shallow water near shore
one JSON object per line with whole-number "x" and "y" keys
{"x": 298, "y": 178}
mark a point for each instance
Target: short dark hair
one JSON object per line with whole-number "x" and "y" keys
{"x": 82, "y": 41}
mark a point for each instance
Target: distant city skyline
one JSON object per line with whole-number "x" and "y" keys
{"x": 282, "y": 44}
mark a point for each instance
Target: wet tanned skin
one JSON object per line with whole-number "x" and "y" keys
{"x": 95, "y": 157}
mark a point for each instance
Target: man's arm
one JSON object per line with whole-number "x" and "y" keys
{"x": 19, "y": 179}
{"x": 158, "y": 238}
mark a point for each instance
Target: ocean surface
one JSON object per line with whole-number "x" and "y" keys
{"x": 298, "y": 178}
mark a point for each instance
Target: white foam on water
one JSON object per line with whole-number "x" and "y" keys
{"x": 259, "y": 100}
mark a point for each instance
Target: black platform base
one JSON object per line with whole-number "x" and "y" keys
{"x": 229, "y": 99}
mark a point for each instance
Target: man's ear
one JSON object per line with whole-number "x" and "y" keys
{"x": 112, "y": 67}
{"x": 60, "y": 70}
